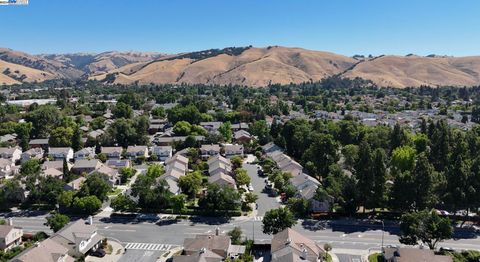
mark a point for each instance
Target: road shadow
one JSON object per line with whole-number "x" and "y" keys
{"x": 209, "y": 220}
{"x": 349, "y": 226}
{"x": 26, "y": 213}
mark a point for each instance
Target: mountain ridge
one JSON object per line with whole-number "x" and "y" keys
{"x": 252, "y": 66}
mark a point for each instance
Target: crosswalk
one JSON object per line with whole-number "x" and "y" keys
{"x": 149, "y": 246}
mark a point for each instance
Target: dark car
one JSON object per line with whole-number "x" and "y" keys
{"x": 98, "y": 253}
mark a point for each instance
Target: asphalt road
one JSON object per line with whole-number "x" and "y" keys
{"x": 265, "y": 202}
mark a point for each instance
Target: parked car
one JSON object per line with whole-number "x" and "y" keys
{"x": 148, "y": 217}
{"x": 250, "y": 188}
{"x": 98, "y": 253}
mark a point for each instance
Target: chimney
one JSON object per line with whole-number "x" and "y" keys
{"x": 217, "y": 231}
{"x": 10, "y": 221}
{"x": 90, "y": 220}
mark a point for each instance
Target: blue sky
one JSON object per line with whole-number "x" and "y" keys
{"x": 347, "y": 27}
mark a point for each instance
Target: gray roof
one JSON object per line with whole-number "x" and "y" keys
{"x": 87, "y": 163}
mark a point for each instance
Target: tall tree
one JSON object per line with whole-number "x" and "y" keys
{"x": 426, "y": 227}
{"x": 423, "y": 183}
{"x": 364, "y": 174}
{"x": 276, "y": 220}
{"x": 379, "y": 170}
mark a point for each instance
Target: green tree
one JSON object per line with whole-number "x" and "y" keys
{"x": 87, "y": 205}
{"x": 426, "y": 227}
{"x": 276, "y": 220}
{"x": 299, "y": 206}
{"x": 220, "y": 199}
{"x": 77, "y": 142}
{"x": 61, "y": 137}
{"x": 23, "y": 131}
{"x": 423, "y": 183}
{"x": 178, "y": 203}
{"x": 250, "y": 198}
{"x": 57, "y": 221}
{"x": 364, "y": 174}
{"x": 43, "y": 119}
{"x": 237, "y": 162}
{"x": 190, "y": 184}
{"x": 95, "y": 185}
{"x": 65, "y": 200}
{"x": 241, "y": 177}
{"x": 322, "y": 152}
{"x": 126, "y": 173}
{"x": 403, "y": 158}
{"x": 182, "y": 128}
{"x": 379, "y": 170}
{"x": 123, "y": 203}
{"x": 236, "y": 235}
{"x": 226, "y": 130}
{"x": 122, "y": 110}
{"x": 158, "y": 112}
{"x": 350, "y": 153}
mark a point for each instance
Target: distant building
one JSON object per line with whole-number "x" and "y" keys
{"x": 39, "y": 143}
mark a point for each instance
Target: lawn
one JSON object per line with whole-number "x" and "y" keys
{"x": 376, "y": 257}
{"x": 114, "y": 192}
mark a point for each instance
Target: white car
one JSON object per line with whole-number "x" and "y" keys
{"x": 250, "y": 187}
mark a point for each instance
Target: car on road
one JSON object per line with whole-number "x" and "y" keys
{"x": 147, "y": 217}
{"x": 98, "y": 253}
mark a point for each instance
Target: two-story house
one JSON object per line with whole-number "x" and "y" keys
{"x": 60, "y": 153}
{"x": 134, "y": 152}
{"x": 233, "y": 150}
{"x": 78, "y": 237}
{"x": 85, "y": 153}
{"x": 10, "y": 236}
{"x": 112, "y": 152}
{"x": 207, "y": 151}
{"x": 162, "y": 152}
{"x": 86, "y": 166}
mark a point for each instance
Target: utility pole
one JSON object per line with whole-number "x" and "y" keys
{"x": 253, "y": 230}
{"x": 383, "y": 233}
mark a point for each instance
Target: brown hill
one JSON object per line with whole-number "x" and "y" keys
{"x": 398, "y": 71}
{"x": 251, "y": 66}
{"x": 240, "y": 65}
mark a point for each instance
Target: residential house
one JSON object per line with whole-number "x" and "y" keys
{"x": 9, "y": 138}
{"x": 10, "y": 236}
{"x": 11, "y": 153}
{"x": 291, "y": 246}
{"x": 86, "y": 166}
{"x": 60, "y": 153}
{"x": 134, "y": 152}
{"x": 168, "y": 141}
{"x": 217, "y": 244}
{"x": 222, "y": 179}
{"x": 39, "y": 143}
{"x": 242, "y": 137}
{"x": 239, "y": 126}
{"x": 75, "y": 185}
{"x": 207, "y": 151}
{"x": 394, "y": 254}
{"x": 32, "y": 153}
{"x": 46, "y": 251}
{"x": 112, "y": 152}
{"x": 217, "y": 167}
{"x": 155, "y": 128}
{"x": 55, "y": 164}
{"x": 85, "y": 153}
{"x": 211, "y": 127}
{"x": 7, "y": 168}
{"x": 112, "y": 175}
{"x": 78, "y": 237}
{"x": 204, "y": 255}
{"x": 307, "y": 189}
{"x": 286, "y": 163}
{"x": 233, "y": 150}
{"x": 162, "y": 152}
{"x": 178, "y": 158}
{"x": 118, "y": 163}
{"x": 51, "y": 172}
{"x": 270, "y": 148}
{"x": 95, "y": 134}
